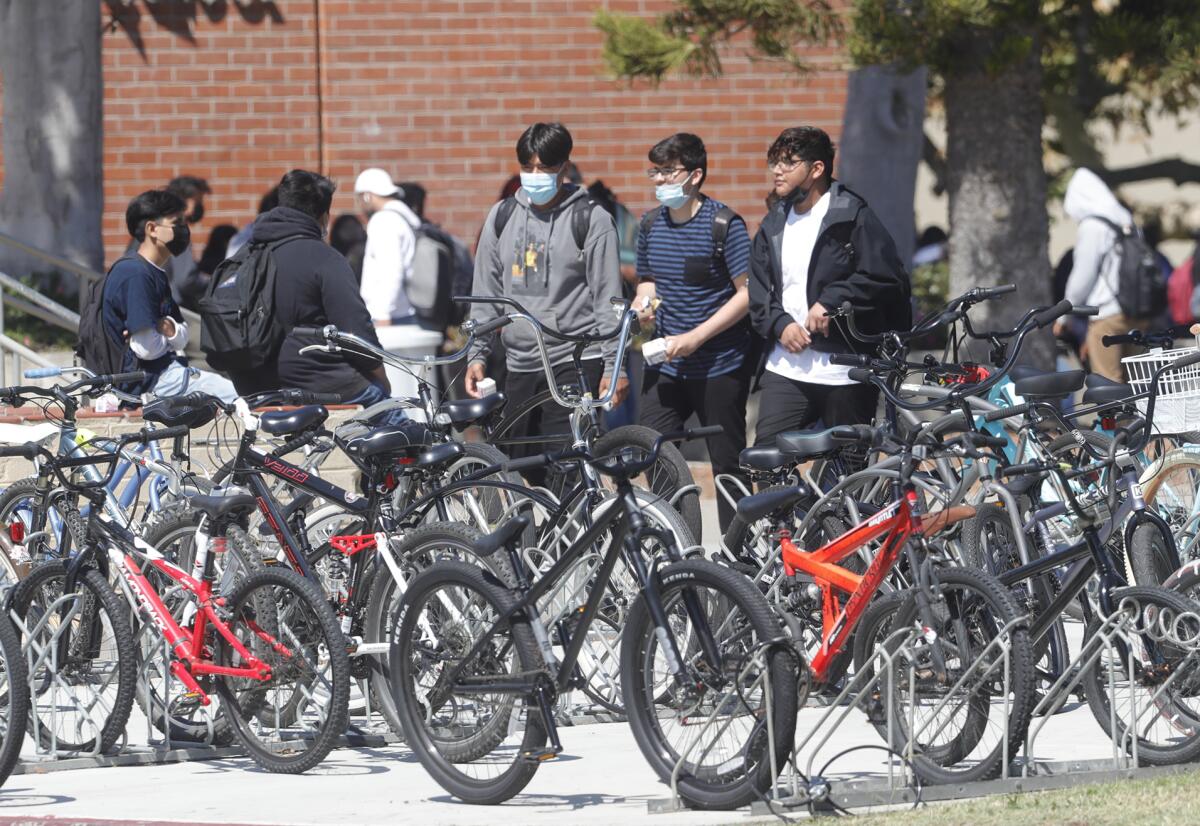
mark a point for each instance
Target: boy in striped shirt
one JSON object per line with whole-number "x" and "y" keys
{"x": 693, "y": 253}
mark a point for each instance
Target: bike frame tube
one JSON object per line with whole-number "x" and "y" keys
{"x": 838, "y": 622}
{"x": 187, "y": 645}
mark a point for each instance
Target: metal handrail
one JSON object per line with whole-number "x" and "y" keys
{"x": 49, "y": 257}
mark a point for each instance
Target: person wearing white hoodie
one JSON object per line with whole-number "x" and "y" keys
{"x": 1095, "y": 275}
{"x": 388, "y": 271}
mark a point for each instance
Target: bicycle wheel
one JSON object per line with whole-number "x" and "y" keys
{"x": 480, "y": 747}
{"x": 1167, "y": 718}
{"x": 960, "y": 730}
{"x": 714, "y": 728}
{"x": 1173, "y": 492}
{"x": 420, "y": 549}
{"x": 290, "y": 721}
{"x": 482, "y": 506}
{"x": 21, "y": 515}
{"x": 665, "y": 478}
{"x": 989, "y": 544}
{"x": 82, "y": 659}
{"x": 14, "y": 698}
{"x": 1150, "y": 557}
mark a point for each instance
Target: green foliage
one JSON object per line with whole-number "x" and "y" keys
{"x": 687, "y": 39}
{"x": 931, "y": 291}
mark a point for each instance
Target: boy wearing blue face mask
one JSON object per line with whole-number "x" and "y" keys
{"x": 693, "y": 254}
{"x": 553, "y": 249}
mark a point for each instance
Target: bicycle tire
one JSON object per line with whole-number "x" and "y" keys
{"x": 381, "y": 616}
{"x": 937, "y": 763}
{"x": 1180, "y": 717}
{"x": 746, "y": 775}
{"x": 250, "y": 706}
{"x": 988, "y": 546}
{"x": 1176, "y": 503}
{"x": 668, "y": 475}
{"x": 14, "y": 697}
{"x": 99, "y": 602}
{"x": 1150, "y": 557}
{"x": 25, "y": 490}
{"x": 444, "y": 758}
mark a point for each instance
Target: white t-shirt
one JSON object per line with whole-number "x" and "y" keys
{"x": 388, "y": 261}
{"x": 799, "y": 238}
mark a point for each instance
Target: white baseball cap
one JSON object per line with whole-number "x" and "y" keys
{"x": 375, "y": 181}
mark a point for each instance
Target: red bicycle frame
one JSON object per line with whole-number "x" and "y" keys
{"x": 897, "y": 523}
{"x": 187, "y": 646}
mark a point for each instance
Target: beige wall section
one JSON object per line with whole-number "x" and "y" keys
{"x": 1168, "y": 139}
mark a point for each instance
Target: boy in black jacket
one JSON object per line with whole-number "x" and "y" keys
{"x": 821, "y": 245}
{"x": 315, "y": 287}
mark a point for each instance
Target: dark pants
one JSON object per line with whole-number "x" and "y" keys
{"x": 787, "y": 404}
{"x": 549, "y": 420}
{"x": 668, "y": 402}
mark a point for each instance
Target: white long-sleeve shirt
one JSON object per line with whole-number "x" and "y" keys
{"x": 388, "y": 261}
{"x": 148, "y": 343}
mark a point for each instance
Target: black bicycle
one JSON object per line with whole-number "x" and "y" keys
{"x": 708, "y": 678}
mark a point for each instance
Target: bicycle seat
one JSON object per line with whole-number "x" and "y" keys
{"x": 439, "y": 455}
{"x": 407, "y": 439}
{"x": 466, "y": 412}
{"x": 802, "y": 444}
{"x": 502, "y": 536}
{"x": 1097, "y": 380}
{"x": 287, "y": 422}
{"x": 218, "y": 506}
{"x": 754, "y": 508}
{"x": 159, "y": 413}
{"x": 1026, "y": 371}
{"x": 762, "y": 458}
{"x": 1107, "y": 393}
{"x": 1050, "y": 385}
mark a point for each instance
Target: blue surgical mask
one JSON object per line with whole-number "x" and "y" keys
{"x": 541, "y": 187}
{"x": 671, "y": 196}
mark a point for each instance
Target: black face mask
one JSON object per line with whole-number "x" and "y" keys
{"x": 197, "y": 214}
{"x": 179, "y": 243}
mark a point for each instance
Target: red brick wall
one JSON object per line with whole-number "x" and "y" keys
{"x": 432, "y": 90}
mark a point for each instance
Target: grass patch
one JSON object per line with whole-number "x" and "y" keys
{"x": 1171, "y": 799}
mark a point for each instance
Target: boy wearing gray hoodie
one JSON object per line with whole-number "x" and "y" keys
{"x": 556, "y": 252}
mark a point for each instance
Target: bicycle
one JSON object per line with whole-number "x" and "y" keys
{"x": 270, "y": 649}
{"x": 477, "y": 704}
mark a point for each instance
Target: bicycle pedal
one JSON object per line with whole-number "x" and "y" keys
{"x": 541, "y": 755}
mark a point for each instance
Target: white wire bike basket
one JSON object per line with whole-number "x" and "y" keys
{"x": 1177, "y": 407}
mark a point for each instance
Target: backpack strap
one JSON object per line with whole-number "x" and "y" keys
{"x": 581, "y": 221}
{"x": 649, "y": 218}
{"x": 720, "y": 231}
{"x": 581, "y": 218}
{"x": 503, "y": 214}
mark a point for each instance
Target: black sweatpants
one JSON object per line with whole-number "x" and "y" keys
{"x": 550, "y": 419}
{"x": 787, "y": 404}
{"x": 668, "y": 402}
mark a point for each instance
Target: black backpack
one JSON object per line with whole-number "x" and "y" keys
{"x": 1141, "y": 289}
{"x": 442, "y": 268}
{"x": 720, "y": 231}
{"x": 240, "y": 328}
{"x": 94, "y": 348}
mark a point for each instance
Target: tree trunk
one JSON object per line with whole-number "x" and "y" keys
{"x": 881, "y": 143}
{"x": 52, "y": 194}
{"x": 997, "y": 188}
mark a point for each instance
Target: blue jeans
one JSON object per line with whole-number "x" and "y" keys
{"x": 373, "y": 394}
{"x": 178, "y": 379}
